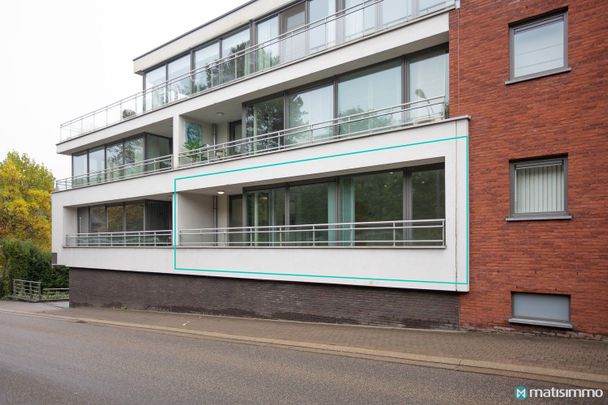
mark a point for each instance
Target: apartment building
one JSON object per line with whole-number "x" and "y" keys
{"x": 416, "y": 163}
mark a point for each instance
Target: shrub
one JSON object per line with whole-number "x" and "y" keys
{"x": 24, "y": 260}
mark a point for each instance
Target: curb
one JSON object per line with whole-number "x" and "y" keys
{"x": 451, "y": 363}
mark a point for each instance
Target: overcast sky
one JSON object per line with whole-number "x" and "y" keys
{"x": 60, "y": 59}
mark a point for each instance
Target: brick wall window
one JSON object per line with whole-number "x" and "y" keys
{"x": 539, "y": 189}
{"x": 541, "y": 309}
{"x": 539, "y": 47}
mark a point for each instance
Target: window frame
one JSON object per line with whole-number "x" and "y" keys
{"x": 531, "y": 23}
{"x": 551, "y": 323}
{"x": 541, "y": 162}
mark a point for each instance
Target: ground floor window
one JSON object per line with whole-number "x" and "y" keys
{"x": 125, "y": 217}
{"x": 348, "y": 208}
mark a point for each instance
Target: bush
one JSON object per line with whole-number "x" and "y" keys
{"x": 24, "y": 260}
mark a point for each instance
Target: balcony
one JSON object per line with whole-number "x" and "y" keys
{"x": 344, "y": 27}
{"x": 149, "y": 166}
{"x": 120, "y": 239}
{"x": 359, "y": 124}
{"x": 425, "y": 233}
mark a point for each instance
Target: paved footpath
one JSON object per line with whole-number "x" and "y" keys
{"x": 557, "y": 359}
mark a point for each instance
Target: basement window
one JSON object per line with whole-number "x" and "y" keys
{"x": 541, "y": 309}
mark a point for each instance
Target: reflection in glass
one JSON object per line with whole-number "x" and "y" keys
{"x": 115, "y": 218}
{"x": 321, "y": 34}
{"x": 262, "y": 118}
{"x": 369, "y": 198}
{"x": 235, "y": 218}
{"x": 155, "y": 94}
{"x": 83, "y": 219}
{"x": 538, "y": 48}
{"x": 428, "y": 78}
{"x": 181, "y": 88}
{"x": 312, "y": 204}
{"x": 114, "y": 159}
{"x": 134, "y": 216}
{"x": 360, "y": 22}
{"x": 293, "y": 45}
{"x": 371, "y": 89}
{"x": 158, "y": 215}
{"x": 79, "y": 168}
{"x": 237, "y": 66}
{"x": 310, "y": 107}
{"x": 427, "y": 200}
{"x": 267, "y": 55}
{"x": 157, "y": 146}
{"x": 97, "y": 163}
{"x": 98, "y": 218}
{"x": 236, "y": 134}
{"x": 133, "y": 155}
{"x": 266, "y": 208}
{"x": 206, "y": 78}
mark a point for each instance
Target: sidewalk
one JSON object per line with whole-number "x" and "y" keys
{"x": 581, "y": 362}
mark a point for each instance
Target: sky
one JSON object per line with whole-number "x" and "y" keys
{"x": 61, "y": 59}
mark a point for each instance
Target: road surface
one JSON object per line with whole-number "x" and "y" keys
{"x": 47, "y": 361}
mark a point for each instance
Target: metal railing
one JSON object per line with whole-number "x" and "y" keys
{"x": 402, "y": 234}
{"x": 351, "y": 24}
{"x": 148, "y": 166}
{"x": 120, "y": 239}
{"x": 26, "y": 290}
{"x": 364, "y": 123}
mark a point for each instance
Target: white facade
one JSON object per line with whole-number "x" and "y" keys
{"x": 200, "y": 193}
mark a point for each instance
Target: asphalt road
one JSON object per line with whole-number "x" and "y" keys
{"x": 45, "y": 361}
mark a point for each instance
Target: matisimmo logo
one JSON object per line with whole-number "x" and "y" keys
{"x": 523, "y": 392}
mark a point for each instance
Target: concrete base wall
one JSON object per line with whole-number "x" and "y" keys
{"x": 264, "y": 299}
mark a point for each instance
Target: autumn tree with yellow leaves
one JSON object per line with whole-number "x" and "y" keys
{"x": 25, "y": 200}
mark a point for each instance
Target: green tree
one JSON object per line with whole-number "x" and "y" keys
{"x": 25, "y": 200}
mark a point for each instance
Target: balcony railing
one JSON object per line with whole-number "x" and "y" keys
{"x": 365, "y": 123}
{"x": 120, "y": 239}
{"x": 399, "y": 234}
{"x": 345, "y": 26}
{"x": 148, "y": 166}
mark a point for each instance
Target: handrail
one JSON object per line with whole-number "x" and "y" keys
{"x": 399, "y": 233}
{"x": 363, "y": 123}
{"x": 158, "y": 238}
{"x": 136, "y": 104}
{"x": 125, "y": 171}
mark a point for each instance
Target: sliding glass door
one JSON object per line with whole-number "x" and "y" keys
{"x": 266, "y": 211}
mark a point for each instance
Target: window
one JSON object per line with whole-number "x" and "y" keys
{"x": 97, "y": 160}
{"x": 265, "y": 117}
{"x": 310, "y": 107}
{"x": 539, "y": 47}
{"x": 267, "y": 55}
{"x": 79, "y": 168}
{"x": 539, "y": 189}
{"x": 206, "y": 78}
{"x": 428, "y": 85}
{"x": 236, "y": 66}
{"x": 541, "y": 309}
{"x": 155, "y": 94}
{"x": 179, "y": 88}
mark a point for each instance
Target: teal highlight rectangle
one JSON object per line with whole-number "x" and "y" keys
{"x": 175, "y": 231}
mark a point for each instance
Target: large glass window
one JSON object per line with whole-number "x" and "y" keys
{"x": 293, "y": 45}
{"x": 262, "y": 118}
{"x": 538, "y": 188}
{"x": 134, "y": 155}
{"x": 79, "y": 169}
{"x": 97, "y": 163}
{"x": 206, "y": 78}
{"x": 310, "y": 107}
{"x": 358, "y": 20}
{"x": 114, "y": 159}
{"x": 115, "y": 215}
{"x": 426, "y": 201}
{"x": 428, "y": 79}
{"x": 267, "y": 55}
{"x": 98, "y": 218}
{"x": 83, "y": 219}
{"x": 157, "y": 146}
{"x": 158, "y": 215}
{"x": 371, "y": 89}
{"x": 134, "y": 216}
{"x": 179, "y": 88}
{"x": 539, "y": 46}
{"x": 323, "y": 34}
{"x": 235, "y": 218}
{"x": 312, "y": 204}
{"x": 235, "y": 45}
{"x": 155, "y": 94}
{"x": 266, "y": 210}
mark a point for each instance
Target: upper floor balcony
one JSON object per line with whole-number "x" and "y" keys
{"x": 277, "y": 43}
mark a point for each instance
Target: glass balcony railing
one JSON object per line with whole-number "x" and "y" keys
{"x": 148, "y": 166}
{"x": 120, "y": 239}
{"x": 346, "y": 26}
{"x": 402, "y": 234}
{"x": 364, "y": 123}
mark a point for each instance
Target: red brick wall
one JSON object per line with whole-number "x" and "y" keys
{"x": 560, "y": 114}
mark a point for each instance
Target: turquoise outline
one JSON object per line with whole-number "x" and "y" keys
{"x": 465, "y": 137}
